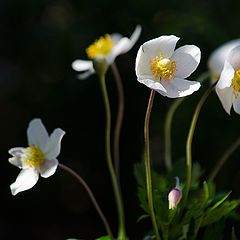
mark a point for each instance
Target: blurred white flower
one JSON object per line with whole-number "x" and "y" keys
{"x": 108, "y": 47}
{"x": 38, "y": 158}
{"x": 174, "y": 195}
{"x": 228, "y": 86}
{"x": 217, "y": 58}
{"x": 164, "y": 70}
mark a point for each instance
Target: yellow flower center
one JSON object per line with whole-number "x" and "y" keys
{"x": 33, "y": 156}
{"x": 236, "y": 81}
{"x": 100, "y": 47}
{"x": 163, "y": 68}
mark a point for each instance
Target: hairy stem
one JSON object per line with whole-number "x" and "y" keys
{"x": 168, "y": 124}
{"x": 119, "y": 119}
{"x": 148, "y": 165}
{"x": 91, "y": 196}
{"x": 189, "y": 142}
{"x": 116, "y": 188}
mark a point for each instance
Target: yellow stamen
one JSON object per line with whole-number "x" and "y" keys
{"x": 33, "y": 156}
{"x": 236, "y": 81}
{"x": 163, "y": 68}
{"x": 100, "y": 47}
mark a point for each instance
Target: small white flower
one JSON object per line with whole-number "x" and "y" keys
{"x": 38, "y": 158}
{"x": 217, "y": 58}
{"x": 164, "y": 70}
{"x": 228, "y": 86}
{"x": 108, "y": 47}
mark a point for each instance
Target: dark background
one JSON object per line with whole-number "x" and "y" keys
{"x": 39, "y": 40}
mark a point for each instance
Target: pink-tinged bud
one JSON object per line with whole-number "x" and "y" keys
{"x": 174, "y": 195}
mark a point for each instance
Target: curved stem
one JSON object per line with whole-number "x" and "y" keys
{"x": 168, "y": 124}
{"x": 189, "y": 142}
{"x": 119, "y": 119}
{"x": 148, "y": 164}
{"x": 224, "y": 158}
{"x": 116, "y": 189}
{"x": 91, "y": 196}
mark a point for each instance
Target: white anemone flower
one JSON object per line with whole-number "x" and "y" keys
{"x": 217, "y": 58}
{"x": 108, "y": 47}
{"x": 38, "y": 158}
{"x": 228, "y": 86}
{"x": 164, "y": 70}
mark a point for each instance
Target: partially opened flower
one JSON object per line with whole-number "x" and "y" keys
{"x": 164, "y": 70}
{"x": 108, "y": 47}
{"x": 38, "y": 158}
{"x": 174, "y": 195}
{"x": 218, "y": 57}
{"x": 228, "y": 86}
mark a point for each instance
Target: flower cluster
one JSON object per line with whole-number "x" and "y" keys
{"x": 175, "y": 212}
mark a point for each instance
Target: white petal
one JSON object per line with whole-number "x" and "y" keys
{"x": 153, "y": 84}
{"x": 218, "y": 57}
{"x": 121, "y": 47}
{"x": 115, "y": 37}
{"x": 163, "y": 46}
{"x": 187, "y": 59}
{"x": 16, "y": 159}
{"x": 37, "y": 133}
{"x": 48, "y": 168}
{"x": 136, "y": 34}
{"x": 85, "y": 75}
{"x": 124, "y": 44}
{"x": 236, "y": 104}
{"x": 53, "y": 145}
{"x": 143, "y": 63}
{"x": 134, "y": 37}
{"x": 226, "y": 97}
{"x": 82, "y": 65}
{"x": 180, "y": 87}
{"x": 234, "y": 57}
{"x": 226, "y": 76}
{"x": 26, "y": 179}
{"x": 16, "y": 152}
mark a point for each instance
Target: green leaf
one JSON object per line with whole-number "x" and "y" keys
{"x": 142, "y": 217}
{"x": 198, "y": 205}
{"x": 220, "y": 201}
{"x": 216, "y": 214}
{"x": 142, "y": 196}
{"x": 104, "y": 238}
{"x": 140, "y": 174}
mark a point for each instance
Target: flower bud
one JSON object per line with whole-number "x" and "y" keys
{"x": 174, "y": 195}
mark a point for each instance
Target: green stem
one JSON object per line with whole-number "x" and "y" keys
{"x": 148, "y": 165}
{"x": 91, "y": 196}
{"x": 167, "y": 133}
{"x": 168, "y": 124}
{"x": 116, "y": 189}
{"x": 224, "y": 158}
{"x": 119, "y": 119}
{"x": 189, "y": 142}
